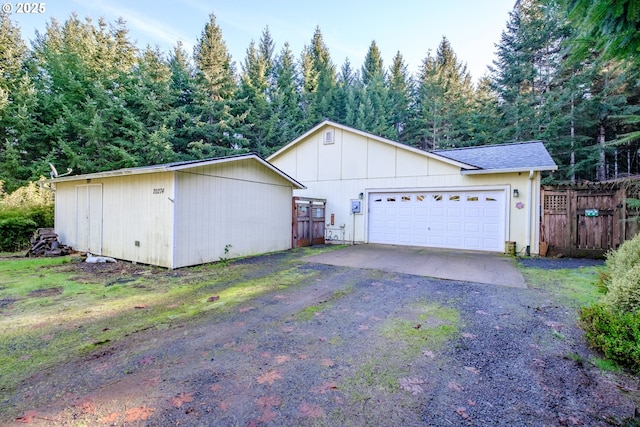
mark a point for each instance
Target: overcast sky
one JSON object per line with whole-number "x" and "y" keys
{"x": 412, "y": 27}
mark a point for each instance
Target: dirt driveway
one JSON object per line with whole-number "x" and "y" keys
{"x": 346, "y": 347}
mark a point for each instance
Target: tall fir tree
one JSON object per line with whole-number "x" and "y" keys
{"x": 219, "y": 130}
{"x": 400, "y": 88}
{"x": 287, "y": 119}
{"x": 318, "y": 82}
{"x": 16, "y": 103}
{"x": 444, "y": 94}
{"x": 376, "y": 115}
{"x": 256, "y": 89}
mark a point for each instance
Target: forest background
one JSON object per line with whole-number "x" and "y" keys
{"x": 84, "y": 96}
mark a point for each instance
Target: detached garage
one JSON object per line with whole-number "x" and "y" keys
{"x": 382, "y": 191}
{"x": 178, "y": 214}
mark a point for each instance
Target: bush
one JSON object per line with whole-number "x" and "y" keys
{"x": 15, "y": 232}
{"x": 615, "y": 333}
{"x": 623, "y": 276}
{"x": 21, "y": 213}
{"x": 624, "y": 290}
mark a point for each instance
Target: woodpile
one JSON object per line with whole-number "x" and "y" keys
{"x": 45, "y": 243}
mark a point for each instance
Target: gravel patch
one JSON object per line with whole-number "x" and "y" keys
{"x": 558, "y": 263}
{"x": 348, "y": 347}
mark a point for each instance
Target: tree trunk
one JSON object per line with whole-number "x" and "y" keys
{"x": 572, "y": 161}
{"x": 600, "y": 171}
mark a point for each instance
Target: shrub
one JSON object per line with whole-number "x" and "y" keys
{"x": 615, "y": 333}
{"x": 15, "y": 232}
{"x": 624, "y": 290}
{"x": 623, "y": 276}
{"x": 21, "y": 213}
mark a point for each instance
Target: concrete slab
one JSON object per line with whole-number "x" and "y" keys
{"x": 477, "y": 267}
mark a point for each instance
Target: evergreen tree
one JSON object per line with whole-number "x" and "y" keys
{"x": 349, "y": 93}
{"x": 318, "y": 82}
{"x": 182, "y": 117}
{"x": 220, "y": 120}
{"x": 151, "y": 101}
{"x": 287, "y": 119}
{"x": 400, "y": 88}
{"x": 609, "y": 28}
{"x": 16, "y": 102}
{"x": 376, "y": 115}
{"x": 484, "y": 120}
{"x": 82, "y": 83}
{"x": 256, "y": 89}
{"x": 444, "y": 95}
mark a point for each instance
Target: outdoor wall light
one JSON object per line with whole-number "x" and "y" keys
{"x": 360, "y": 196}
{"x": 516, "y": 193}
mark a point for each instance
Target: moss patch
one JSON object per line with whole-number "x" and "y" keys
{"x": 55, "y": 309}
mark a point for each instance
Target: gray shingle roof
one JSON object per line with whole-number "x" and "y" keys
{"x": 516, "y": 156}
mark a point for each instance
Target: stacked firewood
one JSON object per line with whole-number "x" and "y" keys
{"x": 45, "y": 243}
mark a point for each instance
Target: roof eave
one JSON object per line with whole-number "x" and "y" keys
{"x": 109, "y": 174}
{"x": 508, "y": 170}
{"x": 171, "y": 168}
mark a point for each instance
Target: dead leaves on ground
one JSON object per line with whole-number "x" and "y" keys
{"x": 308, "y": 410}
{"x": 181, "y": 399}
{"x": 269, "y": 377}
{"x": 141, "y": 413}
{"x": 412, "y": 385}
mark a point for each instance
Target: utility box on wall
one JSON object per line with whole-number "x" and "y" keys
{"x": 356, "y": 206}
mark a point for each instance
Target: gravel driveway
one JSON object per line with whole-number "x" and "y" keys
{"x": 347, "y": 347}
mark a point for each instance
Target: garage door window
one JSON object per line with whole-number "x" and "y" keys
{"x": 472, "y": 198}
{"x": 454, "y": 198}
{"x": 406, "y": 198}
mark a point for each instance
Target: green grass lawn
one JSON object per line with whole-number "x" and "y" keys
{"x": 572, "y": 287}
{"x": 55, "y": 309}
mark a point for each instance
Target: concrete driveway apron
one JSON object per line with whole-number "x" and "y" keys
{"x": 477, "y": 267}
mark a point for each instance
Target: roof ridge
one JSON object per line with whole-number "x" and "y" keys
{"x": 489, "y": 145}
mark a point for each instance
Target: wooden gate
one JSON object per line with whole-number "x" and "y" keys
{"x": 582, "y": 221}
{"x": 308, "y": 222}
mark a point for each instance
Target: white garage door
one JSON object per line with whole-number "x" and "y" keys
{"x": 473, "y": 220}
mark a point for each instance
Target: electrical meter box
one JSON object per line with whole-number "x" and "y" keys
{"x": 356, "y": 206}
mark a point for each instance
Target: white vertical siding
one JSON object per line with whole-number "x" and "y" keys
{"x": 368, "y": 164}
{"x": 241, "y": 204}
{"x": 135, "y": 208}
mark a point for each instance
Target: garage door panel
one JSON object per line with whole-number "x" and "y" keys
{"x": 460, "y": 220}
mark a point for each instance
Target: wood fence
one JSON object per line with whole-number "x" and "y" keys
{"x": 587, "y": 220}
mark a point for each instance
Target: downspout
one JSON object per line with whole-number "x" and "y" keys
{"x": 531, "y": 204}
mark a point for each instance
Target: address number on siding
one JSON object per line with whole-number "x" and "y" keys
{"x": 158, "y": 191}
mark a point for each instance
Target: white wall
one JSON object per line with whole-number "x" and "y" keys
{"x": 137, "y": 216}
{"x": 355, "y": 164}
{"x": 242, "y": 204}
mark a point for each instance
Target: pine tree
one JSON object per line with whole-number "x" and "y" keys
{"x": 256, "y": 89}
{"x": 183, "y": 89}
{"x": 400, "y": 88}
{"x": 444, "y": 96}
{"x": 219, "y": 129}
{"x": 83, "y": 84}
{"x": 349, "y": 93}
{"x": 287, "y": 120}
{"x": 318, "y": 82}
{"x": 16, "y": 102}
{"x": 151, "y": 101}
{"x": 376, "y": 115}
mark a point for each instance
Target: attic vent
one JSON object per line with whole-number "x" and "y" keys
{"x": 328, "y": 137}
